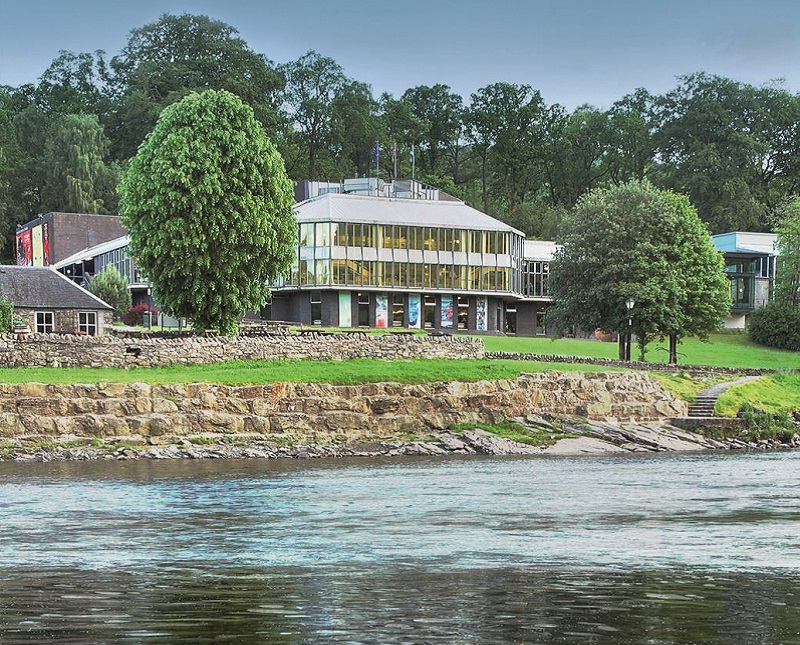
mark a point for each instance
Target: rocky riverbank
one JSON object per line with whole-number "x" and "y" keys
{"x": 567, "y": 436}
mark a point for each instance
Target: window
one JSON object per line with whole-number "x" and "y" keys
{"x": 511, "y": 319}
{"x": 45, "y": 322}
{"x": 316, "y": 307}
{"x": 87, "y": 322}
{"x": 363, "y": 309}
{"x": 463, "y": 312}
{"x": 430, "y": 312}
{"x": 306, "y": 237}
{"x": 398, "y": 309}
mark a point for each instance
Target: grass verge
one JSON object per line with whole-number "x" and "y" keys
{"x": 721, "y": 350}
{"x": 351, "y": 372}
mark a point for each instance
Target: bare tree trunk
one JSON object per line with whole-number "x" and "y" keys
{"x": 673, "y": 349}
{"x": 622, "y": 346}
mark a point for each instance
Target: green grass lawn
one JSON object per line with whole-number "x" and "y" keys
{"x": 351, "y": 372}
{"x": 722, "y": 350}
{"x": 773, "y": 393}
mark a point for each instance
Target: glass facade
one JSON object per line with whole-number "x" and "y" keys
{"x": 119, "y": 259}
{"x": 534, "y": 279}
{"x": 338, "y": 254}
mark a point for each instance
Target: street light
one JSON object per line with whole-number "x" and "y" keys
{"x": 629, "y": 303}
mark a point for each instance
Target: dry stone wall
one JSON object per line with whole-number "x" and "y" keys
{"x": 48, "y": 350}
{"x": 314, "y": 413}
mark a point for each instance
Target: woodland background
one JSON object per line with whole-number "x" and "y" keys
{"x": 732, "y": 148}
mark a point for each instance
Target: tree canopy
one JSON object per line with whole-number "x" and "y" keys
{"x": 731, "y": 147}
{"x": 208, "y": 206}
{"x": 637, "y": 241}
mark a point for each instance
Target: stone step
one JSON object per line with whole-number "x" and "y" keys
{"x": 702, "y": 407}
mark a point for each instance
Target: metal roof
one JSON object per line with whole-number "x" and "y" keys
{"x": 94, "y": 251}
{"x": 542, "y": 250}
{"x": 746, "y": 243}
{"x": 45, "y": 288}
{"x": 337, "y": 207}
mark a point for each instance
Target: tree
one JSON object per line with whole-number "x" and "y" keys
{"x": 787, "y": 280}
{"x": 634, "y": 240}
{"x": 440, "y": 112}
{"x": 76, "y": 178}
{"x": 75, "y": 84}
{"x": 312, "y": 83}
{"x": 731, "y": 147}
{"x": 6, "y": 315}
{"x": 111, "y": 287}
{"x": 209, "y": 209}
{"x": 507, "y": 125}
{"x": 355, "y": 128}
{"x": 166, "y": 59}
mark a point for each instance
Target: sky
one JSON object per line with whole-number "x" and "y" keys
{"x": 573, "y": 51}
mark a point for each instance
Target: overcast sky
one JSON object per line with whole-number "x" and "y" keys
{"x": 573, "y": 51}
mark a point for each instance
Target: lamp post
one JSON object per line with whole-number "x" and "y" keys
{"x": 629, "y": 303}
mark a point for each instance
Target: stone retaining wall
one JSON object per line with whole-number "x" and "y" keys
{"x": 47, "y": 350}
{"x": 314, "y": 413}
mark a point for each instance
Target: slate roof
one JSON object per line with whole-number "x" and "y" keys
{"x": 45, "y": 288}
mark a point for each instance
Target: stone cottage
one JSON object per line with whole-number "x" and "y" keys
{"x": 50, "y": 303}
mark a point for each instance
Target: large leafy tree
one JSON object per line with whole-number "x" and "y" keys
{"x": 508, "y": 127}
{"x": 787, "y": 280}
{"x": 731, "y": 147}
{"x": 439, "y": 112}
{"x": 164, "y": 60}
{"x": 75, "y": 84}
{"x": 355, "y": 128}
{"x": 634, "y": 240}
{"x": 209, "y": 209}
{"x": 312, "y": 83}
{"x": 76, "y": 177}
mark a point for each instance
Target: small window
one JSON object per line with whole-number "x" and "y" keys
{"x": 45, "y": 322}
{"x": 87, "y": 322}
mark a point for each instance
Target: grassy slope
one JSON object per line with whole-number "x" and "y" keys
{"x": 778, "y": 392}
{"x": 773, "y": 393}
{"x": 722, "y": 350}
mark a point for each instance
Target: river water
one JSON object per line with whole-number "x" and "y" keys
{"x": 700, "y": 548}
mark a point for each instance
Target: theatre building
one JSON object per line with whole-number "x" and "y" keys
{"x": 380, "y": 255}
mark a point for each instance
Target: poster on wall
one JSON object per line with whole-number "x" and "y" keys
{"x": 24, "y": 248}
{"x": 447, "y": 312}
{"x": 38, "y": 256}
{"x": 382, "y": 311}
{"x": 480, "y": 314}
{"x": 414, "y": 320}
{"x": 46, "y": 243}
{"x": 345, "y": 309}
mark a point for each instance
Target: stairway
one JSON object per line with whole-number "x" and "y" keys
{"x": 703, "y": 406}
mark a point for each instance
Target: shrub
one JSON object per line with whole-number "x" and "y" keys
{"x": 135, "y": 315}
{"x": 776, "y": 325}
{"x": 765, "y": 425}
{"x": 111, "y": 287}
{"x": 6, "y": 314}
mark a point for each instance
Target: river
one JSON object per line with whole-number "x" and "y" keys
{"x": 660, "y": 548}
